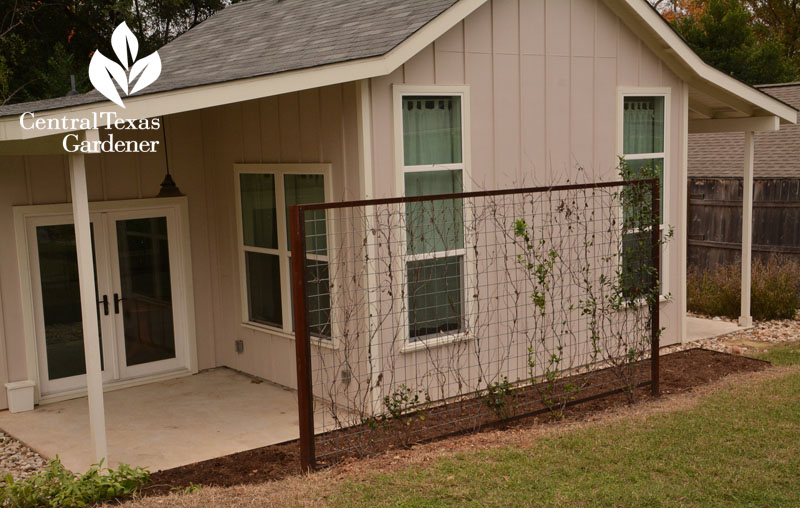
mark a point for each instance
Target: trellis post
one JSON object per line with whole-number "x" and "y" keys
{"x": 305, "y": 398}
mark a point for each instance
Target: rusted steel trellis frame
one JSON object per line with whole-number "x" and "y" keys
{"x": 305, "y": 397}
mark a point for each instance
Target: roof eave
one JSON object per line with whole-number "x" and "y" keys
{"x": 654, "y": 30}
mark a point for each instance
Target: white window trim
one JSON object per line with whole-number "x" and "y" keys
{"x": 284, "y": 249}
{"x": 467, "y": 273}
{"x": 665, "y": 92}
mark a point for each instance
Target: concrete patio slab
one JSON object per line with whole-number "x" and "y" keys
{"x": 164, "y": 424}
{"x": 703, "y": 328}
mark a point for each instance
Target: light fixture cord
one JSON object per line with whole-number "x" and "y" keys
{"x": 164, "y": 135}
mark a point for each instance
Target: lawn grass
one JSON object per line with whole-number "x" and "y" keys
{"x": 784, "y": 354}
{"x": 738, "y": 447}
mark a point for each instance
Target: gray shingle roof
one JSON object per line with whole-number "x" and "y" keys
{"x": 777, "y": 154}
{"x": 261, "y": 37}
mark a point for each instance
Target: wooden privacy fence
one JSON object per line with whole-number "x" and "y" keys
{"x": 424, "y": 316}
{"x": 715, "y": 220}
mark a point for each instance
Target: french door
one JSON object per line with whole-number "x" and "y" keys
{"x": 140, "y": 308}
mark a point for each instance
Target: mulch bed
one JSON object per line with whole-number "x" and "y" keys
{"x": 680, "y": 372}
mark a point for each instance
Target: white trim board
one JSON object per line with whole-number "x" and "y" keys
{"x": 667, "y": 169}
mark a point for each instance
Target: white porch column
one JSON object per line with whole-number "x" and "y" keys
{"x": 91, "y": 335}
{"x": 745, "y": 319}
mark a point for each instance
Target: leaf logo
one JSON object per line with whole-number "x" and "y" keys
{"x": 104, "y": 72}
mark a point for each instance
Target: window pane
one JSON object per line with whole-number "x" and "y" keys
{"x": 61, "y": 301}
{"x": 434, "y": 297}
{"x": 434, "y": 226}
{"x": 146, "y": 287}
{"x": 319, "y": 298}
{"x": 264, "y": 288}
{"x": 259, "y": 222}
{"x": 305, "y": 189}
{"x": 643, "y": 125}
{"x": 431, "y": 130}
{"x": 637, "y": 167}
{"x": 636, "y": 263}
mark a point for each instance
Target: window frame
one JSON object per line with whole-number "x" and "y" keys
{"x": 284, "y": 248}
{"x": 467, "y": 273}
{"x": 666, "y": 93}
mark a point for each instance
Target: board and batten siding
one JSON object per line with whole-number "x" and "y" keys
{"x": 543, "y": 79}
{"x": 307, "y": 127}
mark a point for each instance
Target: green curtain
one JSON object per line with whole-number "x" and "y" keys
{"x": 643, "y": 125}
{"x": 259, "y": 222}
{"x": 263, "y": 279}
{"x": 431, "y": 130}
{"x": 260, "y": 229}
{"x": 643, "y": 132}
{"x": 637, "y": 167}
{"x": 434, "y": 226}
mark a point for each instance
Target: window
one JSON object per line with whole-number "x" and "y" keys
{"x": 643, "y": 146}
{"x": 433, "y": 163}
{"x": 265, "y": 194}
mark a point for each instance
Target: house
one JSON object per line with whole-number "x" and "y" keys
{"x": 270, "y": 103}
{"x": 715, "y": 185}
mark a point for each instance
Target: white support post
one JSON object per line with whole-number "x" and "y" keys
{"x": 86, "y": 276}
{"x": 683, "y": 222}
{"x": 745, "y": 319}
{"x": 364, "y": 124}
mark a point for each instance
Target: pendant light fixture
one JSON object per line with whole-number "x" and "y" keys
{"x": 168, "y": 187}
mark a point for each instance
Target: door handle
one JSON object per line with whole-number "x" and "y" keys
{"x": 104, "y": 301}
{"x": 117, "y": 299}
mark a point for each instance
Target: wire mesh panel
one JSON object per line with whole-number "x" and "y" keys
{"x": 420, "y": 317}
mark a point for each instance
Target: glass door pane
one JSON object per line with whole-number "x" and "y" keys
{"x": 146, "y": 292}
{"x": 61, "y": 301}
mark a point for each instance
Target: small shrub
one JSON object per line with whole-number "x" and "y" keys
{"x": 404, "y": 406}
{"x": 775, "y": 291}
{"x": 500, "y": 398}
{"x": 401, "y": 402}
{"x": 58, "y": 487}
{"x": 192, "y": 488}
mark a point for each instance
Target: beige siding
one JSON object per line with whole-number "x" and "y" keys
{"x": 313, "y": 126}
{"x": 543, "y": 77}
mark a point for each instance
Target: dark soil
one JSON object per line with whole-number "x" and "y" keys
{"x": 680, "y": 372}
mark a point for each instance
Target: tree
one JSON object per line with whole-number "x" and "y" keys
{"x": 44, "y": 42}
{"x": 160, "y": 21}
{"x": 676, "y": 9}
{"x": 724, "y": 36}
{"x": 779, "y": 21}
{"x": 11, "y": 17}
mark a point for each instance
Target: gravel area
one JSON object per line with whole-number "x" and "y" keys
{"x": 17, "y": 459}
{"x": 750, "y": 341}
